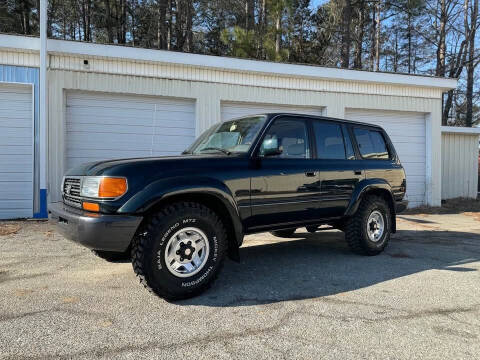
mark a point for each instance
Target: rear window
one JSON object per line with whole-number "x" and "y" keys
{"x": 329, "y": 140}
{"x": 371, "y": 144}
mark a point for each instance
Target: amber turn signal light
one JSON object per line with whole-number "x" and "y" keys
{"x": 112, "y": 187}
{"x": 91, "y": 206}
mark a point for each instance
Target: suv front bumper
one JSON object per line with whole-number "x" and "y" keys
{"x": 93, "y": 230}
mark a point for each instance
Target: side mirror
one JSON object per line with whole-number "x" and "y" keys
{"x": 270, "y": 147}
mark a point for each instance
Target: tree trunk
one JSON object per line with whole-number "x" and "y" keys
{"x": 471, "y": 63}
{"x": 169, "y": 24}
{"x": 346, "y": 34}
{"x": 372, "y": 38}
{"x": 108, "y": 21}
{"x": 409, "y": 37}
{"x": 377, "y": 35}
{"x": 278, "y": 33}
{"x": 189, "y": 24}
{"x": 357, "y": 62}
{"x": 456, "y": 66}
{"x": 161, "y": 24}
{"x": 249, "y": 14}
{"x": 442, "y": 48}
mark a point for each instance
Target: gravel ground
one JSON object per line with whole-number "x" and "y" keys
{"x": 306, "y": 298}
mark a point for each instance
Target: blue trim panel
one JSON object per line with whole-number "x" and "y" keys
{"x": 43, "y": 213}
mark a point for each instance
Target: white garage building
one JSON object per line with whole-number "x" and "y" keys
{"x": 111, "y": 101}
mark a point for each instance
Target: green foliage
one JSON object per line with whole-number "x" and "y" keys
{"x": 241, "y": 43}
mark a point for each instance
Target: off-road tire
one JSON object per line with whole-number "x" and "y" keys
{"x": 112, "y": 256}
{"x": 287, "y": 233}
{"x": 148, "y": 250}
{"x": 356, "y": 227}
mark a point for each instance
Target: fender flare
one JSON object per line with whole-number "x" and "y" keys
{"x": 367, "y": 185}
{"x": 164, "y": 189}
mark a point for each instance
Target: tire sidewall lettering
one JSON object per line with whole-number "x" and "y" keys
{"x": 208, "y": 268}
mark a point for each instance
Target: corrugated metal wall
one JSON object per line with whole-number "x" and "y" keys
{"x": 459, "y": 165}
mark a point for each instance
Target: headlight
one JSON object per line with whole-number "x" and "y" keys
{"x": 103, "y": 187}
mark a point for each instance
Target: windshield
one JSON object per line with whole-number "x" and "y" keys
{"x": 229, "y": 136}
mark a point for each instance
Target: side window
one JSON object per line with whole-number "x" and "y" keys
{"x": 329, "y": 140}
{"x": 291, "y": 137}
{"x": 371, "y": 144}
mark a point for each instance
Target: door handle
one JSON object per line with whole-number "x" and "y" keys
{"x": 311, "y": 173}
{"x": 357, "y": 172}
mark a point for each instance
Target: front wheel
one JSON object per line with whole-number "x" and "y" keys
{"x": 180, "y": 251}
{"x": 368, "y": 231}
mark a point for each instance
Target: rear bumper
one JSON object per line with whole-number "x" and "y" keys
{"x": 95, "y": 231}
{"x": 400, "y": 206}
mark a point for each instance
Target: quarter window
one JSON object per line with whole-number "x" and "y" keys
{"x": 371, "y": 144}
{"x": 329, "y": 140}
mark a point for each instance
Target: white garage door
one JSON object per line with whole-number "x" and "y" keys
{"x": 109, "y": 126}
{"x": 407, "y": 132}
{"x": 232, "y": 110}
{"x": 16, "y": 151}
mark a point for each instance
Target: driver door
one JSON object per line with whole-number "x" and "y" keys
{"x": 285, "y": 186}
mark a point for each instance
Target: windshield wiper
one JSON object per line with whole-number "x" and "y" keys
{"x": 226, "y": 152}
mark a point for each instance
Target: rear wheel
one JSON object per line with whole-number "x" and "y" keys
{"x": 368, "y": 231}
{"x": 312, "y": 229}
{"x": 287, "y": 233}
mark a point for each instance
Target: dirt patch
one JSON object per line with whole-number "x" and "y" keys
{"x": 9, "y": 229}
{"x": 451, "y": 206}
{"x": 474, "y": 215}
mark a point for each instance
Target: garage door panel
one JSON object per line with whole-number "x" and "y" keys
{"x": 407, "y": 132}
{"x": 15, "y": 149}
{"x": 7, "y": 132}
{"x": 14, "y": 204}
{"x": 232, "y": 110}
{"x": 18, "y": 213}
{"x": 17, "y": 191}
{"x": 14, "y": 176}
{"x": 14, "y": 159}
{"x": 123, "y": 126}
{"x": 16, "y": 152}
{"x": 86, "y": 115}
{"x": 107, "y": 101}
{"x": 109, "y": 129}
{"x": 16, "y": 123}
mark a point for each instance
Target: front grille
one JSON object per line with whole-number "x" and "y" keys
{"x": 71, "y": 191}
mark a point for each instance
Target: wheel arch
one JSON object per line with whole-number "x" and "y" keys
{"x": 378, "y": 187}
{"x": 217, "y": 198}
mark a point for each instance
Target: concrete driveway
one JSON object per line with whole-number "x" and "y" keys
{"x": 307, "y": 298}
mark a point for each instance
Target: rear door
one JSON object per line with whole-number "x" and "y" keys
{"x": 378, "y": 156}
{"x": 339, "y": 170}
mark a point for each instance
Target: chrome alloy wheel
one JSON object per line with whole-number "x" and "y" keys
{"x": 187, "y": 252}
{"x": 375, "y": 226}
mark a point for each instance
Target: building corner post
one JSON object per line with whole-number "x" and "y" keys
{"x": 43, "y": 109}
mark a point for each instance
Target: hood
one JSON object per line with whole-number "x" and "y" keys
{"x": 149, "y": 165}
